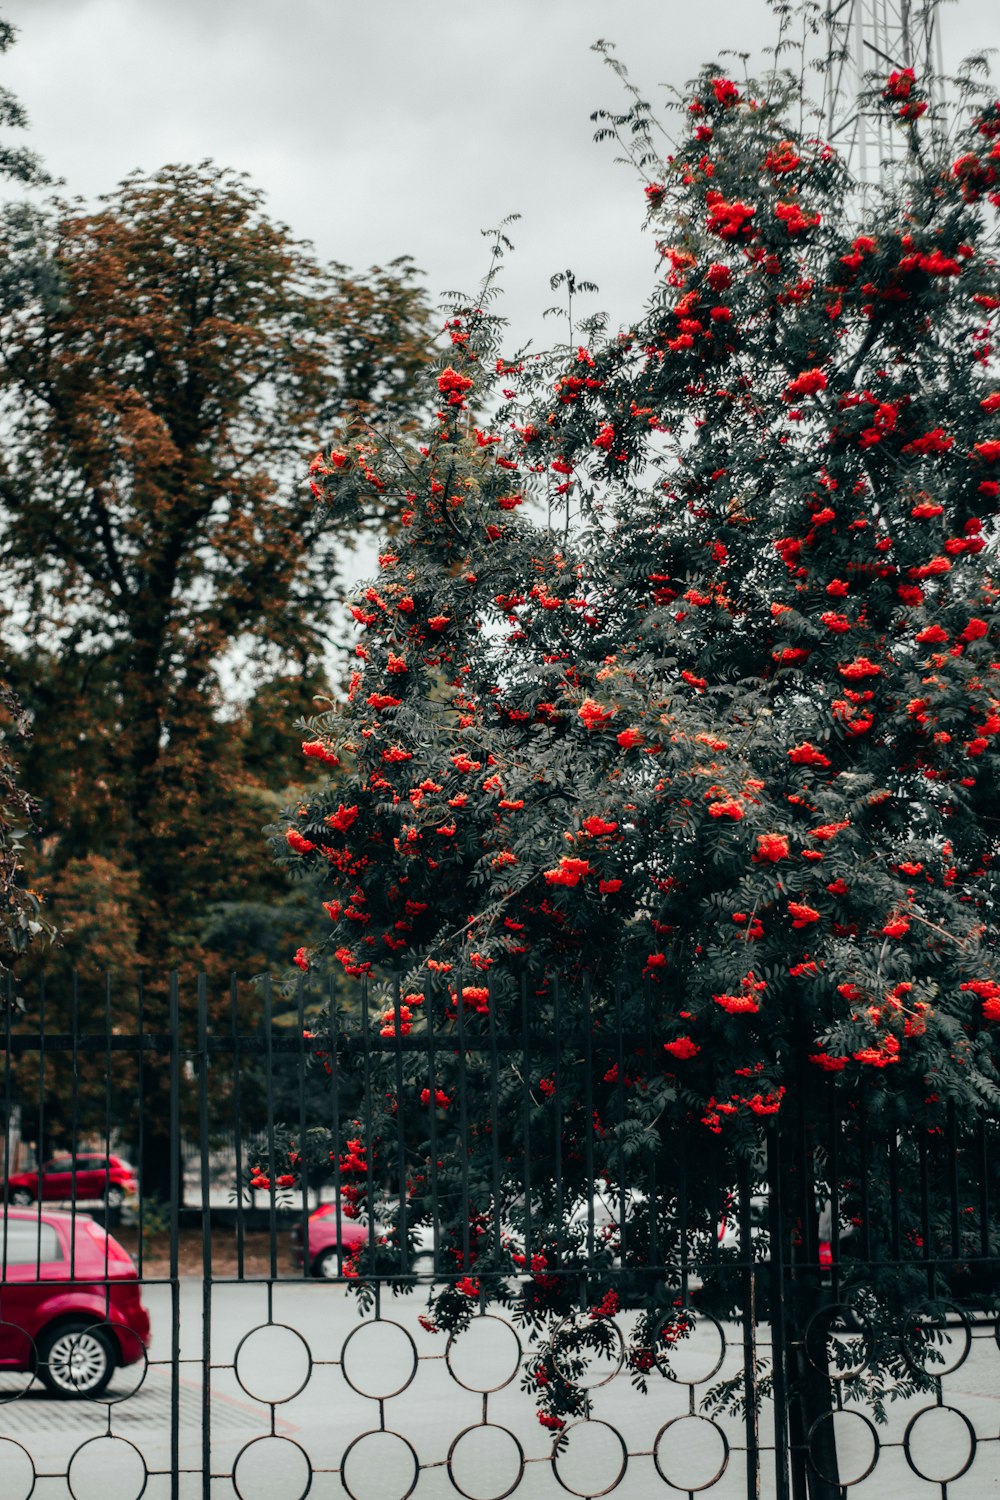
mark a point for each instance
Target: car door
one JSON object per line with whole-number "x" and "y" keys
{"x": 56, "y": 1179}
{"x": 34, "y": 1255}
{"x": 91, "y": 1177}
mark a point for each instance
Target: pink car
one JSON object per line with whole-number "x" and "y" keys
{"x": 71, "y": 1333}
{"x": 329, "y": 1244}
{"x": 89, "y": 1175}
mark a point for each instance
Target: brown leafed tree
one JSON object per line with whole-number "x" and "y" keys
{"x": 168, "y": 363}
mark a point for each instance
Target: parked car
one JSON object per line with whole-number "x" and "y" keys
{"x": 331, "y": 1239}
{"x": 71, "y": 1321}
{"x": 730, "y": 1237}
{"x": 97, "y": 1177}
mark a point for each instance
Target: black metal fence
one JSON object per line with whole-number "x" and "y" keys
{"x": 475, "y": 1234}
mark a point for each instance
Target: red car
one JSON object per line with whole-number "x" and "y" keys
{"x": 71, "y": 1333}
{"x": 96, "y": 1175}
{"x": 330, "y": 1243}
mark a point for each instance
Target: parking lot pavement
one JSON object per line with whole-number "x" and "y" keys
{"x": 297, "y": 1372}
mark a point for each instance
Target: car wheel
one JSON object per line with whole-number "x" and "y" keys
{"x": 422, "y": 1267}
{"x": 75, "y": 1359}
{"x": 22, "y": 1197}
{"x": 329, "y": 1265}
{"x": 114, "y": 1196}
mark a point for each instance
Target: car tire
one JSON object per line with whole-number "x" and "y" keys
{"x": 76, "y": 1360}
{"x": 422, "y": 1267}
{"x": 114, "y": 1196}
{"x": 22, "y": 1198}
{"x": 328, "y": 1266}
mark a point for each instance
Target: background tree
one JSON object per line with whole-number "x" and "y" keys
{"x": 16, "y": 161}
{"x": 166, "y": 365}
{"x": 723, "y": 747}
{"x": 21, "y": 907}
{"x": 22, "y": 920}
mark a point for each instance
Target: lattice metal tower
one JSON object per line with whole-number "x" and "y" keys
{"x": 866, "y": 37}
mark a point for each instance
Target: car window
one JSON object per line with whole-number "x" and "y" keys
{"x": 28, "y": 1241}
{"x": 59, "y": 1164}
{"x": 91, "y": 1163}
{"x": 106, "y": 1243}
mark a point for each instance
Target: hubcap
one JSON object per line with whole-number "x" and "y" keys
{"x": 77, "y": 1361}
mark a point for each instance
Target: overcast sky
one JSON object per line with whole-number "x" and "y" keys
{"x": 391, "y": 126}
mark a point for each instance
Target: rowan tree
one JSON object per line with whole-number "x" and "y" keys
{"x": 721, "y": 745}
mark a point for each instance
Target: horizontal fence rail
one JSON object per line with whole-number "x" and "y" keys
{"x": 226, "y": 1211}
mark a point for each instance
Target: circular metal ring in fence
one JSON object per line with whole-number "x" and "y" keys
{"x": 692, "y": 1463}
{"x": 18, "y": 1470}
{"x": 591, "y": 1451}
{"x": 930, "y": 1340}
{"x": 485, "y": 1356}
{"x": 944, "y": 1429}
{"x": 570, "y": 1344}
{"x": 273, "y": 1363}
{"x": 691, "y": 1363}
{"x": 272, "y": 1468}
{"x": 833, "y": 1333}
{"x": 385, "y": 1347}
{"x": 380, "y": 1465}
{"x": 490, "y": 1454}
{"x": 20, "y": 1359}
{"x": 859, "y": 1431}
{"x": 104, "y": 1466}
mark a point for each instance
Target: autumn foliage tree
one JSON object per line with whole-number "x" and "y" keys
{"x": 721, "y": 745}
{"x": 166, "y": 360}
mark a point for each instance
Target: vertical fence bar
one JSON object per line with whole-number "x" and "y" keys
{"x": 272, "y": 1231}
{"x": 366, "y": 1047}
{"x": 74, "y": 1126}
{"x": 984, "y": 1191}
{"x": 526, "y": 1117}
{"x": 7, "y": 1108}
{"x": 833, "y": 1148}
{"x": 176, "y": 1190}
{"x": 140, "y": 1023}
{"x": 206, "y": 1244}
{"x": 108, "y": 1069}
{"x": 925, "y": 1212}
{"x": 334, "y": 1061}
{"x": 463, "y": 1107}
{"x": 588, "y": 1105}
{"x": 953, "y": 1182}
{"x": 652, "y": 1188}
{"x": 495, "y": 1128}
{"x": 301, "y": 1074}
{"x": 683, "y": 1216}
{"x": 40, "y": 1140}
{"x": 557, "y": 1034}
{"x": 401, "y": 1211}
{"x": 234, "y": 1024}
{"x": 620, "y": 1092}
{"x": 778, "y": 1371}
{"x": 432, "y": 1127}
{"x": 866, "y": 1206}
{"x": 895, "y": 1239}
{"x": 744, "y": 1188}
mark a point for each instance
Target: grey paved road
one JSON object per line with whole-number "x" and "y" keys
{"x": 332, "y": 1378}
